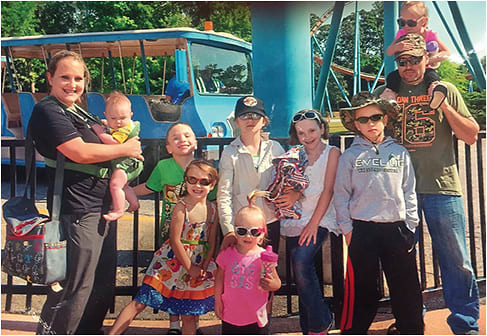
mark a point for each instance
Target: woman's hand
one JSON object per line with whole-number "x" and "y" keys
{"x": 133, "y": 148}
{"x": 288, "y": 199}
{"x": 228, "y": 241}
{"x": 308, "y": 235}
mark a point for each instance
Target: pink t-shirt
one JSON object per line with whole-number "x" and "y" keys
{"x": 243, "y": 301}
{"x": 429, "y": 35}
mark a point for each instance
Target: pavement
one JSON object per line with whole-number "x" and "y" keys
{"x": 435, "y": 322}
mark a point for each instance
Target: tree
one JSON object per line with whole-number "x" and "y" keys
{"x": 15, "y": 12}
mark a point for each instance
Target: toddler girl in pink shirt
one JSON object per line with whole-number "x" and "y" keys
{"x": 241, "y": 294}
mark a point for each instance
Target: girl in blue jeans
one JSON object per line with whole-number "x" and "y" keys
{"x": 305, "y": 235}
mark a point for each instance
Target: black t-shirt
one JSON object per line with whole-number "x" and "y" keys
{"x": 52, "y": 126}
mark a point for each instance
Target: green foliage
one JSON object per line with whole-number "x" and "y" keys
{"x": 19, "y": 18}
{"x": 371, "y": 30}
{"x": 476, "y": 104}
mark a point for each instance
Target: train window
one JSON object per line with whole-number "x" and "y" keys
{"x": 221, "y": 71}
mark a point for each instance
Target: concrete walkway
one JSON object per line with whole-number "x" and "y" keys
{"x": 435, "y": 321}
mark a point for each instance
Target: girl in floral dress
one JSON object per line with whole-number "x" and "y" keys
{"x": 180, "y": 277}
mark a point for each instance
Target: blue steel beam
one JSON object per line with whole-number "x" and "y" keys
{"x": 478, "y": 71}
{"x": 356, "y": 56}
{"x": 453, "y": 39}
{"x": 144, "y": 66}
{"x": 329, "y": 53}
{"x": 390, "y": 18}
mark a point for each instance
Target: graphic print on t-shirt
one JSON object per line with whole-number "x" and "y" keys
{"x": 172, "y": 194}
{"x": 242, "y": 275}
{"x": 416, "y": 126}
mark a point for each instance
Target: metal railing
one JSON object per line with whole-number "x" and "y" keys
{"x": 471, "y": 168}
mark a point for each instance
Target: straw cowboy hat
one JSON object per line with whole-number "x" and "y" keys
{"x": 363, "y": 99}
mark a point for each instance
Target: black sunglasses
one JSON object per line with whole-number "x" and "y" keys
{"x": 413, "y": 60}
{"x": 373, "y": 118}
{"x": 411, "y": 22}
{"x": 243, "y": 231}
{"x": 306, "y": 115}
{"x": 202, "y": 181}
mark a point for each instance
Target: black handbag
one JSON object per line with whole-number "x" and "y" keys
{"x": 34, "y": 248}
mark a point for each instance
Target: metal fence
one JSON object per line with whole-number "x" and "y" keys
{"x": 470, "y": 161}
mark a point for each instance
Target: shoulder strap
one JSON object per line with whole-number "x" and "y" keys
{"x": 58, "y": 179}
{"x": 78, "y": 111}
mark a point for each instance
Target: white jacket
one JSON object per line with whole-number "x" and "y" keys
{"x": 238, "y": 177}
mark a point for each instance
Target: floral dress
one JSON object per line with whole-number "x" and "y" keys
{"x": 167, "y": 285}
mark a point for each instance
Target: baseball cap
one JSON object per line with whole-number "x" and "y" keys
{"x": 249, "y": 104}
{"x": 419, "y": 46}
{"x": 363, "y": 99}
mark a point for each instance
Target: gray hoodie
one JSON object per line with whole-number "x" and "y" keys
{"x": 375, "y": 183}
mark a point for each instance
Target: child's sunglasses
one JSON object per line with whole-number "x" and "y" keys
{"x": 250, "y": 115}
{"x": 306, "y": 115}
{"x": 202, "y": 181}
{"x": 411, "y": 22}
{"x": 243, "y": 231}
{"x": 413, "y": 60}
{"x": 373, "y": 118}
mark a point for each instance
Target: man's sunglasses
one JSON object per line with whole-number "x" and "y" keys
{"x": 373, "y": 118}
{"x": 411, "y": 22}
{"x": 306, "y": 115}
{"x": 413, "y": 60}
{"x": 243, "y": 231}
{"x": 202, "y": 181}
{"x": 250, "y": 115}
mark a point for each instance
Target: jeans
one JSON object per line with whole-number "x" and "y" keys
{"x": 314, "y": 313}
{"x": 445, "y": 217}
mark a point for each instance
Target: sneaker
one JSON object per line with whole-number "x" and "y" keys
{"x": 199, "y": 332}
{"x": 174, "y": 332}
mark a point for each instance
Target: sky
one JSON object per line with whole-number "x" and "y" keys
{"x": 473, "y": 14}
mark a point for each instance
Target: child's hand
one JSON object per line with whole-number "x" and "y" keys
{"x": 219, "y": 307}
{"x": 287, "y": 200}
{"x": 402, "y": 46}
{"x": 195, "y": 272}
{"x": 270, "y": 282}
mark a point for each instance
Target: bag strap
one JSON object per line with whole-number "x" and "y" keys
{"x": 30, "y": 170}
{"x": 58, "y": 187}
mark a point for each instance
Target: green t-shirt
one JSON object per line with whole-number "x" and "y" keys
{"x": 428, "y": 137}
{"x": 168, "y": 178}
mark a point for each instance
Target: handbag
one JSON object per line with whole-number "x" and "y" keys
{"x": 34, "y": 248}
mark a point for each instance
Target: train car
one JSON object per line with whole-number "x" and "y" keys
{"x": 213, "y": 68}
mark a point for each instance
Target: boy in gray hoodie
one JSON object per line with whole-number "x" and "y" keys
{"x": 376, "y": 210}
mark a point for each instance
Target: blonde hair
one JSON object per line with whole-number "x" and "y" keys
{"x": 115, "y": 98}
{"x": 252, "y": 208}
{"x": 420, "y": 5}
